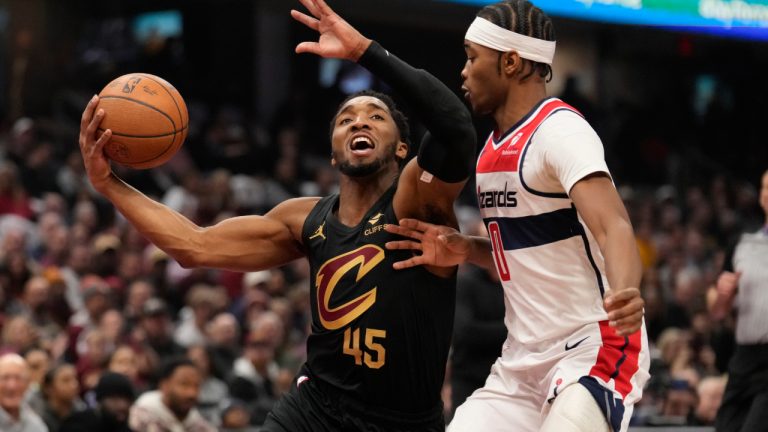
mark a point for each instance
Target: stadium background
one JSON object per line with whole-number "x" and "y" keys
{"x": 679, "y": 111}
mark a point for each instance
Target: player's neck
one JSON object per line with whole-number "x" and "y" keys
{"x": 358, "y": 195}
{"x": 519, "y": 102}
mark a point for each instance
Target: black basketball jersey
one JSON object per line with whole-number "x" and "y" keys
{"x": 379, "y": 335}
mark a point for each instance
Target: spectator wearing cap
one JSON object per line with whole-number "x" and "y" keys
{"x": 172, "y": 407}
{"x": 97, "y": 301}
{"x": 15, "y": 414}
{"x": 156, "y": 265}
{"x": 255, "y": 297}
{"x": 106, "y": 256}
{"x": 255, "y": 290}
{"x": 156, "y": 328}
{"x": 203, "y": 302}
{"x": 114, "y": 397}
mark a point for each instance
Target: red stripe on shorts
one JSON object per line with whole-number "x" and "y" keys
{"x": 617, "y": 358}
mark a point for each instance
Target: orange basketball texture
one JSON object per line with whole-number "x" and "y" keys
{"x": 148, "y": 119}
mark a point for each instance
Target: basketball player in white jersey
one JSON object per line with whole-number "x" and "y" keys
{"x": 576, "y": 356}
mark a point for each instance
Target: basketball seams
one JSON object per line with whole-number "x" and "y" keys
{"x": 145, "y": 136}
{"x": 173, "y": 97}
{"x": 140, "y": 102}
{"x": 178, "y": 134}
{"x": 178, "y": 109}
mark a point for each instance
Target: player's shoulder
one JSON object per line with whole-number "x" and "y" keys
{"x": 294, "y": 212}
{"x": 565, "y": 120}
{"x": 563, "y": 126}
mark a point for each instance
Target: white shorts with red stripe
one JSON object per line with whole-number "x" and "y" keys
{"x": 526, "y": 379}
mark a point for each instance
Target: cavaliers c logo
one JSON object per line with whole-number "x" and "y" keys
{"x": 366, "y": 257}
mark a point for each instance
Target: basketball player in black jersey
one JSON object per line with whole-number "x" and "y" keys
{"x": 380, "y": 337}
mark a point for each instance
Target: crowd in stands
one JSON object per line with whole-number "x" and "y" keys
{"x": 105, "y": 322}
{"x": 84, "y": 295}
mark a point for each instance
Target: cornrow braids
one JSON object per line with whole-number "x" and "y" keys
{"x": 522, "y": 17}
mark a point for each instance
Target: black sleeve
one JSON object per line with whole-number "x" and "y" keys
{"x": 448, "y": 148}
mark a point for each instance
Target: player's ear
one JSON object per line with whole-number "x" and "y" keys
{"x": 511, "y": 63}
{"x": 401, "y": 151}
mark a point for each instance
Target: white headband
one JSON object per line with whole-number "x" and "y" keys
{"x": 488, "y": 34}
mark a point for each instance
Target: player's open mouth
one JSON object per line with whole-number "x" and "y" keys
{"x": 362, "y": 145}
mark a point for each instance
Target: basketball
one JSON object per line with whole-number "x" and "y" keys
{"x": 148, "y": 119}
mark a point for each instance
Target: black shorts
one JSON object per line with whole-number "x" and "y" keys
{"x": 745, "y": 403}
{"x": 313, "y": 406}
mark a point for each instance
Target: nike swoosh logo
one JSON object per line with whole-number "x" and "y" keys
{"x": 568, "y": 348}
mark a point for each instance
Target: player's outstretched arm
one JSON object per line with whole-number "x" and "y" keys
{"x": 243, "y": 244}
{"x": 438, "y": 245}
{"x": 600, "y": 206}
{"x": 448, "y": 149}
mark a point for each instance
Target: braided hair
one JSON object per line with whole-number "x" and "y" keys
{"x": 522, "y": 17}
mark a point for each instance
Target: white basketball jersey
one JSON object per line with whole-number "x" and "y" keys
{"x": 550, "y": 265}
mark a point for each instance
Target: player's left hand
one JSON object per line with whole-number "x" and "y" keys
{"x": 625, "y": 310}
{"x": 338, "y": 39}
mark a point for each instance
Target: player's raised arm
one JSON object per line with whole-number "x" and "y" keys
{"x": 243, "y": 244}
{"x": 448, "y": 149}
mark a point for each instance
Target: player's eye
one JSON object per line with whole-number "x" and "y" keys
{"x": 377, "y": 117}
{"x": 344, "y": 121}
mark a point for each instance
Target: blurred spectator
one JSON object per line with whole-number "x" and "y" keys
{"x": 203, "y": 302}
{"x": 60, "y": 393}
{"x": 114, "y": 396}
{"x": 678, "y": 405}
{"x": 256, "y": 371}
{"x": 13, "y": 196}
{"x": 235, "y": 418}
{"x": 213, "y": 391}
{"x": 710, "y": 391}
{"x": 92, "y": 355}
{"x": 125, "y": 361}
{"x": 223, "y": 336}
{"x": 38, "y": 361}
{"x": 96, "y": 301}
{"x": 15, "y": 414}
{"x": 743, "y": 284}
{"x": 172, "y": 407}
{"x": 112, "y": 326}
{"x": 33, "y": 302}
{"x": 19, "y": 335}
{"x": 156, "y": 329}
{"x": 138, "y": 293}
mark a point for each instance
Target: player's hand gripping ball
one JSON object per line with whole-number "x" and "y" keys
{"x": 148, "y": 119}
